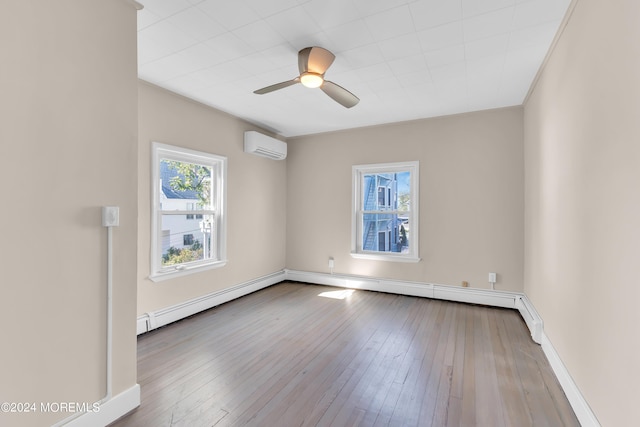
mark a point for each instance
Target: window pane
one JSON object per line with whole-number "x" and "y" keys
{"x": 403, "y": 194}
{"x": 378, "y": 191}
{"x": 185, "y": 186}
{"x": 385, "y": 233}
{"x": 185, "y": 240}
{"x": 387, "y": 191}
{"x": 382, "y": 194}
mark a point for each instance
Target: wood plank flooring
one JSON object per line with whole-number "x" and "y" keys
{"x": 286, "y": 356}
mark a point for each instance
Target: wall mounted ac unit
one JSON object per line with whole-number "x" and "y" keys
{"x": 265, "y": 146}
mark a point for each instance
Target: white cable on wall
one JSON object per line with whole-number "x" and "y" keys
{"x": 110, "y": 219}
{"x": 109, "y": 311}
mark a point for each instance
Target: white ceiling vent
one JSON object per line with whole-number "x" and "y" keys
{"x": 265, "y": 146}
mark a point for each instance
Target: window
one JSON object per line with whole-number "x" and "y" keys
{"x": 385, "y": 212}
{"x": 188, "y": 212}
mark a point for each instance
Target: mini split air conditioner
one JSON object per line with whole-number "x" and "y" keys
{"x": 265, "y": 146}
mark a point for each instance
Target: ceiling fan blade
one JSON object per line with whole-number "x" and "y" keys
{"x": 314, "y": 60}
{"x": 339, "y": 94}
{"x": 277, "y": 86}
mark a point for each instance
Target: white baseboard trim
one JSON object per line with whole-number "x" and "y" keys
{"x": 114, "y": 408}
{"x": 362, "y": 282}
{"x": 420, "y": 289}
{"x": 579, "y": 404}
{"x": 504, "y": 299}
{"x": 152, "y": 320}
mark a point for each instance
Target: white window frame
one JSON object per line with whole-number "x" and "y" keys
{"x": 357, "y": 212}
{"x": 218, "y": 165}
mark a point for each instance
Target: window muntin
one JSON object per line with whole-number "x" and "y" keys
{"x": 385, "y": 205}
{"x": 188, "y": 213}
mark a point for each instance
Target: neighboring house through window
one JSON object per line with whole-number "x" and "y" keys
{"x": 385, "y": 212}
{"x": 188, "y": 212}
{"x": 193, "y": 207}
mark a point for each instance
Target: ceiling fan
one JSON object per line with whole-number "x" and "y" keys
{"x": 313, "y": 62}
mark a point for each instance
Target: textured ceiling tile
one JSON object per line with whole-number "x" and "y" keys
{"x": 231, "y": 14}
{"x": 331, "y": 13}
{"x": 400, "y": 47}
{"x": 444, "y": 56}
{"x": 535, "y": 12}
{"x": 259, "y": 35}
{"x": 404, "y": 59}
{"x": 293, "y": 23}
{"x": 390, "y": 23}
{"x": 488, "y": 24}
{"x": 196, "y": 24}
{"x": 478, "y": 7}
{"x": 442, "y": 36}
{"x": 433, "y": 13}
{"x": 487, "y": 47}
{"x": 351, "y": 35}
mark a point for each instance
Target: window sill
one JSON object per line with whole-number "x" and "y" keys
{"x": 381, "y": 257}
{"x": 170, "y": 274}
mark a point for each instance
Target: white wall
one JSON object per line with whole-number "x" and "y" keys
{"x": 256, "y": 197}
{"x": 471, "y": 202}
{"x": 582, "y": 151}
{"x": 68, "y": 109}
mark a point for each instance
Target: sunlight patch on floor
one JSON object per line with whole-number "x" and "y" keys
{"x": 341, "y": 294}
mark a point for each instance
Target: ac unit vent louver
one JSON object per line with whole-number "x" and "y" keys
{"x": 265, "y": 146}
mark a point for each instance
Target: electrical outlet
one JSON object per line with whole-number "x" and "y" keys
{"x": 492, "y": 277}
{"x": 331, "y": 262}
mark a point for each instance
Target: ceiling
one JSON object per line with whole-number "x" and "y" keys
{"x": 404, "y": 59}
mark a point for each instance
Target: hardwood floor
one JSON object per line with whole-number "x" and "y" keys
{"x": 286, "y": 356}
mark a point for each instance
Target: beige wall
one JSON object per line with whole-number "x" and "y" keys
{"x": 256, "y": 199}
{"x": 68, "y": 141}
{"x": 471, "y": 202}
{"x": 582, "y": 151}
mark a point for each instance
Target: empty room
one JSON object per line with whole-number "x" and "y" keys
{"x": 331, "y": 213}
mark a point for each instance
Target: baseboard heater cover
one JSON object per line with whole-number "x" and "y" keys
{"x": 156, "y": 319}
{"x": 531, "y": 318}
{"x": 493, "y": 298}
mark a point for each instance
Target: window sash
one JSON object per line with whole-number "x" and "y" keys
{"x": 210, "y": 254}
